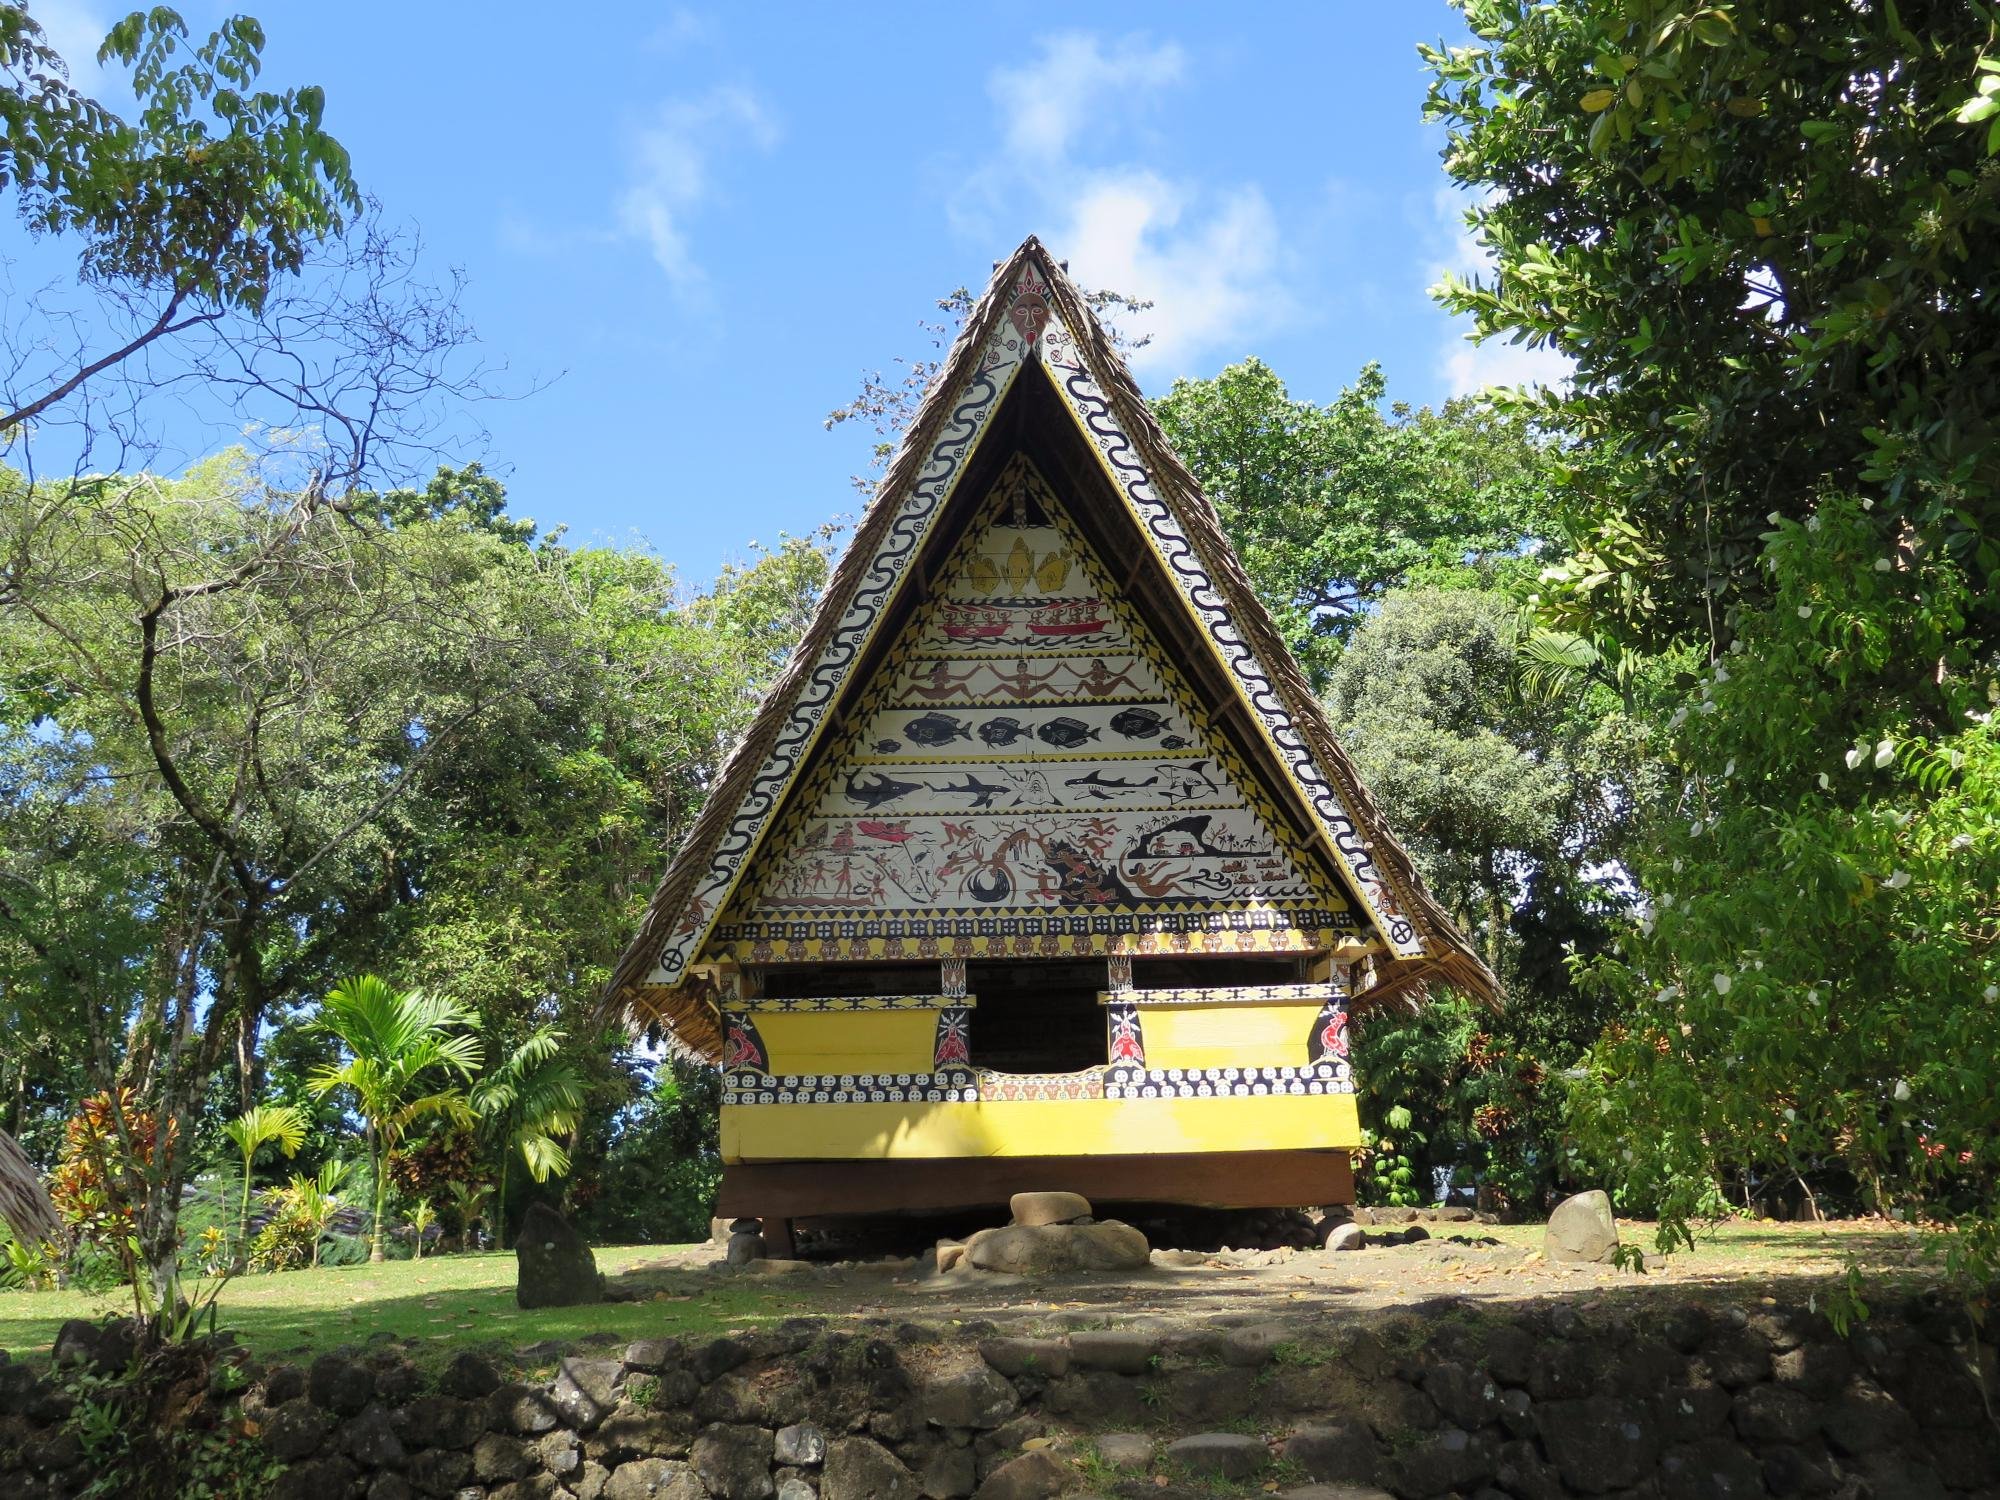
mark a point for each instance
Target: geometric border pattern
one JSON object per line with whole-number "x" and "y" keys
{"x": 972, "y": 1086}
{"x": 1268, "y": 994}
{"x": 955, "y": 1087}
{"x": 845, "y": 1003}
{"x": 1226, "y": 1083}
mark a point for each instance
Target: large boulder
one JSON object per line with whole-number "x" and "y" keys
{"x": 1046, "y": 1249}
{"x": 556, "y": 1268}
{"x": 1582, "y": 1230}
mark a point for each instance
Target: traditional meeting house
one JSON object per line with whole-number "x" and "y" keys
{"x": 1041, "y": 866}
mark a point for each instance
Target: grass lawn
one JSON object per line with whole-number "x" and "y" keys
{"x": 449, "y": 1300}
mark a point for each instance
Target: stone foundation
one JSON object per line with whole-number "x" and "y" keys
{"x": 1538, "y": 1403}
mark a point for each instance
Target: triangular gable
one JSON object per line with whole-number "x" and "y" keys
{"x": 1029, "y": 774}
{"x": 1030, "y": 313}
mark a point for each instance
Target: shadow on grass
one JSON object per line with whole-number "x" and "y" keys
{"x": 446, "y": 1303}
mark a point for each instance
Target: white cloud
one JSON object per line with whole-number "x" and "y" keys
{"x": 1210, "y": 278}
{"x": 673, "y": 172}
{"x": 1467, "y": 367}
{"x": 1208, "y": 256}
{"x": 681, "y": 28}
{"x": 1044, "y": 103}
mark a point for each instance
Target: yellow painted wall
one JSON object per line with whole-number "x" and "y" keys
{"x": 856, "y": 1041}
{"x": 1225, "y": 1036}
{"x": 1038, "y": 1127}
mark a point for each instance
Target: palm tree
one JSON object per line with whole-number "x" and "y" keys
{"x": 529, "y": 1099}
{"x": 393, "y": 1037}
{"x": 266, "y": 1124}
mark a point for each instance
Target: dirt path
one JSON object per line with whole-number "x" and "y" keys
{"x": 1463, "y": 1264}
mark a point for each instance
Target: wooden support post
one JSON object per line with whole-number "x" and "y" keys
{"x": 778, "y": 1239}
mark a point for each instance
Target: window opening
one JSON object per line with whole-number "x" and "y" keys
{"x": 1035, "y": 1017}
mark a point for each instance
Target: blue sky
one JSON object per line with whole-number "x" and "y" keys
{"x": 695, "y": 227}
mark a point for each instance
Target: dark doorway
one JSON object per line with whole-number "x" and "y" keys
{"x": 1038, "y": 1017}
{"x": 1217, "y": 972}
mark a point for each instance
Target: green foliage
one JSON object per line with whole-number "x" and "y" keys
{"x": 1332, "y": 506}
{"x": 529, "y": 1099}
{"x": 1817, "y": 1003}
{"x": 303, "y": 1211}
{"x": 279, "y": 1125}
{"x": 1517, "y": 809}
{"x": 210, "y": 192}
{"x": 664, "y": 1161}
{"x": 422, "y": 1218}
{"x": 134, "y": 1450}
{"x": 1767, "y": 243}
{"x": 1767, "y": 239}
{"x": 394, "y": 1038}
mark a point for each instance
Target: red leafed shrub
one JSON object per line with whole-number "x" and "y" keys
{"x": 88, "y": 1186}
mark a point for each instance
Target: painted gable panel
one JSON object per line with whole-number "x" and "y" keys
{"x": 1029, "y": 774}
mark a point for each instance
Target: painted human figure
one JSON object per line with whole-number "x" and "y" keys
{"x": 1100, "y": 681}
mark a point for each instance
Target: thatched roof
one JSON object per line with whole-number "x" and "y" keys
{"x": 1003, "y": 333}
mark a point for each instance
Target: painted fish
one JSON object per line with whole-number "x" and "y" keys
{"x": 874, "y": 790}
{"x": 1065, "y": 733}
{"x": 1175, "y": 742}
{"x": 936, "y": 729}
{"x": 1002, "y": 731}
{"x": 981, "y": 792}
{"x": 1137, "y": 723}
{"x": 886, "y": 747}
{"x": 1104, "y": 788}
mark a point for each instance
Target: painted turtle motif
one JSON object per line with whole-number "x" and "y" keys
{"x": 937, "y": 729}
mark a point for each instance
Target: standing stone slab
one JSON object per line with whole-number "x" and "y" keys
{"x": 555, "y": 1266}
{"x": 1582, "y": 1230}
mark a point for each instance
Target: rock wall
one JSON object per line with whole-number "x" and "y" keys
{"x": 1537, "y": 1403}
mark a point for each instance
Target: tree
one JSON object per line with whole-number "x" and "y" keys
{"x": 528, "y": 1100}
{"x": 1330, "y": 506}
{"x": 1518, "y": 810}
{"x": 193, "y": 209}
{"x": 264, "y": 1125}
{"x": 1767, "y": 238}
{"x": 393, "y": 1038}
{"x": 243, "y": 683}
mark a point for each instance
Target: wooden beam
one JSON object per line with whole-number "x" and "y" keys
{"x": 1213, "y": 1179}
